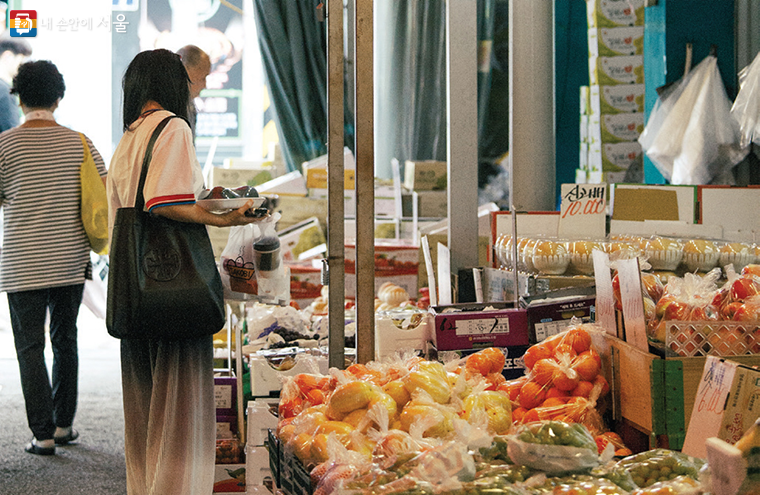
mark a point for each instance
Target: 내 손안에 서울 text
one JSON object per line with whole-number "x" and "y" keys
{"x": 26, "y": 23}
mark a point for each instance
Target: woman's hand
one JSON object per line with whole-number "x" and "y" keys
{"x": 197, "y": 214}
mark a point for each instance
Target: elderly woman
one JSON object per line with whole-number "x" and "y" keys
{"x": 46, "y": 255}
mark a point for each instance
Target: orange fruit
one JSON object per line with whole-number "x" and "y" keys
{"x": 532, "y": 394}
{"x": 562, "y": 381}
{"x": 586, "y": 366}
{"x": 495, "y": 379}
{"x": 530, "y": 416}
{"x": 513, "y": 387}
{"x": 478, "y": 363}
{"x": 496, "y": 358}
{"x": 534, "y": 353}
{"x": 563, "y": 350}
{"x": 543, "y": 371}
{"x": 579, "y": 339}
{"x": 553, "y": 402}
{"x": 600, "y": 381}
{"x": 592, "y": 352}
{"x": 518, "y": 413}
{"x": 583, "y": 389}
{"x": 623, "y": 452}
{"x": 557, "y": 393}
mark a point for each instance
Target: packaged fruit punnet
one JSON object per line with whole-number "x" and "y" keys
{"x": 553, "y": 447}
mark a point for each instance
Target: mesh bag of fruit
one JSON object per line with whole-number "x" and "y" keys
{"x": 553, "y": 447}
{"x": 653, "y": 466}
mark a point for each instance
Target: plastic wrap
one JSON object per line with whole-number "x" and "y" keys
{"x": 553, "y": 447}
{"x": 746, "y": 107}
{"x": 691, "y": 136}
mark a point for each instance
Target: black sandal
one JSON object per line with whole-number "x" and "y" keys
{"x": 32, "y": 448}
{"x": 73, "y": 435}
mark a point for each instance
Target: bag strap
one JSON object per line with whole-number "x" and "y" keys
{"x": 85, "y": 146}
{"x": 140, "y": 199}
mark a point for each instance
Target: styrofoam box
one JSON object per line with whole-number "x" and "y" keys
{"x": 256, "y": 466}
{"x": 259, "y": 420}
{"x": 265, "y": 379}
{"x": 389, "y": 338}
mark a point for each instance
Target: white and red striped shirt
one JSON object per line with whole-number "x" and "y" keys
{"x": 174, "y": 175}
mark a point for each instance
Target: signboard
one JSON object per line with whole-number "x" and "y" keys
{"x": 219, "y": 114}
{"x": 605, "y": 300}
{"x": 583, "y": 211}
{"x": 629, "y": 275}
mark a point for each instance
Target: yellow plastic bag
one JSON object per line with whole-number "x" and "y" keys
{"x": 94, "y": 203}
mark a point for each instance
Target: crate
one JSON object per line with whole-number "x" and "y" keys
{"x": 273, "y": 447}
{"x": 655, "y": 394}
{"x": 390, "y": 337}
{"x": 295, "y": 479}
{"x": 257, "y": 470}
{"x": 712, "y": 338}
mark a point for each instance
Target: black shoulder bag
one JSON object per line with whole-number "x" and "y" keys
{"x": 163, "y": 282}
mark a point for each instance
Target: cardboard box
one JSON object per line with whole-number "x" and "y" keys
{"x": 614, "y": 13}
{"x": 395, "y": 261}
{"x": 290, "y": 184}
{"x": 260, "y": 418}
{"x": 617, "y": 41}
{"x": 305, "y": 284}
{"x": 229, "y": 478}
{"x": 616, "y": 98}
{"x": 297, "y": 209}
{"x": 656, "y": 395}
{"x": 615, "y": 128}
{"x": 614, "y": 157}
{"x": 472, "y": 326}
{"x": 425, "y": 175}
{"x": 430, "y": 204}
{"x": 226, "y": 427}
{"x": 300, "y": 238}
{"x": 616, "y": 70}
{"x": 726, "y": 404}
{"x": 640, "y": 202}
{"x": 257, "y": 470}
{"x": 225, "y": 395}
{"x": 552, "y": 312}
{"x": 266, "y": 380}
{"x": 235, "y": 177}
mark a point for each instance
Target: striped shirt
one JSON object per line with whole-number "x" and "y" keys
{"x": 44, "y": 242}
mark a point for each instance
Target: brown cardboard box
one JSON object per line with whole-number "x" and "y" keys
{"x": 424, "y": 175}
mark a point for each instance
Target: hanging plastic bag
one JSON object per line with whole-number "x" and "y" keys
{"x": 691, "y": 136}
{"x": 746, "y": 109}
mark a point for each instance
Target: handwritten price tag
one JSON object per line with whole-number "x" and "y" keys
{"x": 582, "y": 210}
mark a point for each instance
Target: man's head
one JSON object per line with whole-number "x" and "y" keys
{"x": 13, "y": 52}
{"x": 198, "y": 66}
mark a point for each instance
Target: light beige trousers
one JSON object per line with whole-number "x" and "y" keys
{"x": 169, "y": 416}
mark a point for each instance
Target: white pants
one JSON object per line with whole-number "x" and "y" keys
{"x": 169, "y": 416}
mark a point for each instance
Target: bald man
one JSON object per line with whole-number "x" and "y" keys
{"x": 198, "y": 66}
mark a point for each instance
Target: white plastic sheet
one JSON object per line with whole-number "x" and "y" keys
{"x": 691, "y": 136}
{"x": 746, "y": 109}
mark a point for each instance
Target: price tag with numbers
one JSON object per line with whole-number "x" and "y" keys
{"x": 583, "y": 210}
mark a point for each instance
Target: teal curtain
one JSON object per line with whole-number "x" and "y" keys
{"x": 293, "y": 48}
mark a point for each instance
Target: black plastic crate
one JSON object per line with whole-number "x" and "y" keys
{"x": 294, "y": 477}
{"x": 273, "y": 445}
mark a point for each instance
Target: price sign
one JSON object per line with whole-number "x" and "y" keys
{"x": 629, "y": 275}
{"x": 583, "y": 210}
{"x": 605, "y": 300}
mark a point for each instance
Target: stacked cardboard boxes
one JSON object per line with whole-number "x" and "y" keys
{"x": 612, "y": 105}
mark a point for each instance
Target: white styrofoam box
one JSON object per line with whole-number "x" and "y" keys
{"x": 256, "y": 465}
{"x": 259, "y": 420}
{"x": 627, "y": 69}
{"x": 265, "y": 379}
{"x": 292, "y": 183}
{"x": 581, "y": 176}
{"x": 613, "y": 42}
{"x": 414, "y": 335}
{"x": 616, "y": 98}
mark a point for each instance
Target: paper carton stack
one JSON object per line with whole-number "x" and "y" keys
{"x": 614, "y": 100}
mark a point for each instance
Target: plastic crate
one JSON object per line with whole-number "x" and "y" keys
{"x": 260, "y": 419}
{"x": 266, "y": 380}
{"x": 712, "y": 338}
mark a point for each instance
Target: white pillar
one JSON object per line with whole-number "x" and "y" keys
{"x": 531, "y": 105}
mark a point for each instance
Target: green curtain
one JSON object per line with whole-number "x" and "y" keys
{"x": 293, "y": 48}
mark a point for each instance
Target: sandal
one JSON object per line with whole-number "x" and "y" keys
{"x": 73, "y": 435}
{"x": 33, "y": 448}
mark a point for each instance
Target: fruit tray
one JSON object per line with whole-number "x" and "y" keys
{"x": 712, "y": 338}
